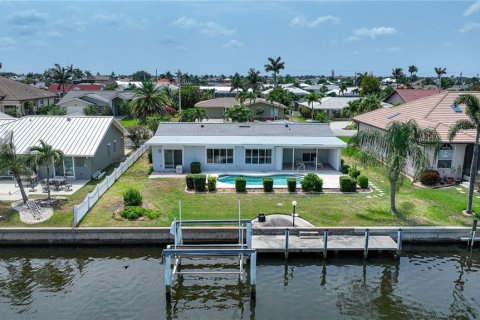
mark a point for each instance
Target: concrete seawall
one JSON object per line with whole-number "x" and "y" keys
{"x": 97, "y": 236}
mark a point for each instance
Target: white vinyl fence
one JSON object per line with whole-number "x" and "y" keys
{"x": 80, "y": 210}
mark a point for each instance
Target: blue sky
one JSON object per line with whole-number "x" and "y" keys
{"x": 225, "y": 37}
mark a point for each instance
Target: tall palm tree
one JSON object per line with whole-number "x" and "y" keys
{"x": 11, "y": 161}
{"x": 311, "y": 98}
{"x": 359, "y": 77}
{"x": 60, "y": 76}
{"x": 242, "y": 96}
{"x": 253, "y": 79}
{"x": 252, "y": 96}
{"x": 236, "y": 83}
{"x": 439, "y": 71}
{"x": 149, "y": 100}
{"x": 412, "y": 69}
{"x": 45, "y": 155}
{"x": 397, "y": 73}
{"x": 401, "y": 143}
{"x": 342, "y": 88}
{"x": 473, "y": 112}
{"x": 274, "y": 65}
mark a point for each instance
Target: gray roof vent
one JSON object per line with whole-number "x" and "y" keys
{"x": 393, "y": 115}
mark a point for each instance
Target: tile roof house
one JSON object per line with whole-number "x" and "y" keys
{"x": 88, "y": 143}
{"x": 439, "y": 112}
{"x": 56, "y": 88}
{"x": 261, "y": 109}
{"x": 75, "y": 101}
{"x": 264, "y": 146}
{"x": 17, "y": 98}
{"x": 400, "y": 96}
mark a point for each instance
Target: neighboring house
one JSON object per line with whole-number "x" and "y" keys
{"x": 88, "y": 143}
{"x": 296, "y": 91}
{"x": 261, "y": 109}
{"x": 5, "y": 118}
{"x": 221, "y": 91}
{"x": 229, "y": 147}
{"x": 17, "y": 98}
{"x": 75, "y": 101}
{"x": 59, "y": 89}
{"x": 401, "y": 96}
{"x": 331, "y": 105}
{"x": 439, "y": 112}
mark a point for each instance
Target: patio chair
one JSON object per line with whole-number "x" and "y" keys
{"x": 68, "y": 187}
{"x": 300, "y": 166}
{"x": 319, "y": 165}
{"x": 44, "y": 186}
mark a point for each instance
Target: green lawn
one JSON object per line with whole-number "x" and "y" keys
{"x": 128, "y": 122}
{"x": 418, "y": 206}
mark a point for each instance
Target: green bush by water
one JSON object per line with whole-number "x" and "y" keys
{"x": 200, "y": 182}
{"x": 292, "y": 184}
{"x": 240, "y": 184}
{"x": 312, "y": 182}
{"x": 267, "y": 184}
{"x": 136, "y": 212}
{"x": 212, "y": 183}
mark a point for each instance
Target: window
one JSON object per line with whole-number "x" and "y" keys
{"x": 65, "y": 168}
{"x": 218, "y": 156}
{"x": 108, "y": 149}
{"x": 309, "y": 156}
{"x": 445, "y": 156}
{"x": 258, "y": 156}
{"x": 114, "y": 146}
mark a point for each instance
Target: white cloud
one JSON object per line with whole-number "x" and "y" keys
{"x": 108, "y": 18}
{"x": 7, "y": 43}
{"x": 301, "y": 21}
{"x": 233, "y": 45}
{"x": 474, "y": 8}
{"x": 372, "y": 33}
{"x": 38, "y": 43}
{"x": 208, "y": 28}
{"x": 119, "y": 19}
{"x": 28, "y": 21}
{"x": 393, "y": 49}
{"x": 469, "y": 26}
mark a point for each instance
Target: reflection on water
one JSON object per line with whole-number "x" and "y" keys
{"x": 127, "y": 283}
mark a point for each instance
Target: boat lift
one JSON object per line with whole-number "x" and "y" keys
{"x": 173, "y": 254}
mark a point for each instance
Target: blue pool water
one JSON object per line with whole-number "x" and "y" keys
{"x": 252, "y": 181}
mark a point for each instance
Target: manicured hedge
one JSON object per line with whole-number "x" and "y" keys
{"x": 200, "y": 182}
{"x": 132, "y": 197}
{"x": 189, "y": 181}
{"x": 212, "y": 183}
{"x": 362, "y": 181}
{"x": 195, "y": 167}
{"x": 344, "y": 167}
{"x": 430, "y": 177}
{"x": 348, "y": 184}
{"x": 353, "y": 172}
{"x": 267, "y": 184}
{"x": 292, "y": 184}
{"x": 240, "y": 184}
{"x": 312, "y": 182}
{"x": 135, "y": 212}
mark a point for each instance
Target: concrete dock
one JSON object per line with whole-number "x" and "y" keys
{"x": 276, "y": 243}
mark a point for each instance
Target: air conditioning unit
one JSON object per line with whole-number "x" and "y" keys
{"x": 179, "y": 169}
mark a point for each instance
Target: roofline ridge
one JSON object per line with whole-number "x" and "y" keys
{"x": 436, "y": 105}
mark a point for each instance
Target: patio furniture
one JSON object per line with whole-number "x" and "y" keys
{"x": 44, "y": 186}
{"x": 97, "y": 175}
{"x": 300, "y": 166}
{"x": 319, "y": 165}
{"x": 68, "y": 187}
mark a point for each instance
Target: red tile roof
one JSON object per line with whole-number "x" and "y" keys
{"x": 409, "y": 95}
{"x": 164, "y": 80}
{"x": 55, "y": 88}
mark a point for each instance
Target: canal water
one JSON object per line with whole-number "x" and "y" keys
{"x": 127, "y": 283}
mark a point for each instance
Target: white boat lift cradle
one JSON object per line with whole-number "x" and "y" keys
{"x": 173, "y": 254}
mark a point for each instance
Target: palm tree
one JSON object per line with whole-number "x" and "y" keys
{"x": 397, "y": 73}
{"x": 242, "y": 96}
{"x": 60, "y": 76}
{"x": 45, "y": 155}
{"x": 359, "y": 77}
{"x": 473, "y": 112}
{"x": 275, "y": 65}
{"x": 252, "y": 96}
{"x": 397, "y": 146}
{"x": 412, "y": 69}
{"x": 236, "y": 83}
{"x": 342, "y": 88}
{"x": 311, "y": 98}
{"x": 439, "y": 71}
{"x": 199, "y": 114}
{"x": 253, "y": 79}
{"x": 149, "y": 100}
{"x": 11, "y": 161}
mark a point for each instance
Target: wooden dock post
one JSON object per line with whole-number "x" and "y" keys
{"x": 399, "y": 242}
{"x": 253, "y": 274}
{"x": 473, "y": 233}
{"x": 325, "y": 243}
{"x": 249, "y": 235}
{"x": 365, "y": 250}
{"x": 168, "y": 276}
{"x": 287, "y": 234}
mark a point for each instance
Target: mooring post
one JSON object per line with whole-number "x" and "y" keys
{"x": 287, "y": 234}
{"x": 399, "y": 242}
{"x": 474, "y": 231}
{"x": 325, "y": 243}
{"x": 253, "y": 274}
{"x": 168, "y": 276}
{"x": 365, "y": 250}
{"x": 249, "y": 235}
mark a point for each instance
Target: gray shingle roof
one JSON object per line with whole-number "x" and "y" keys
{"x": 103, "y": 96}
{"x": 11, "y": 90}
{"x": 229, "y": 102}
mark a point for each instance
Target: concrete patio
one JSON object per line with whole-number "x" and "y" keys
{"x": 10, "y": 192}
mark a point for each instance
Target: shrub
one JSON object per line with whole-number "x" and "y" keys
{"x": 353, "y": 172}
{"x": 171, "y": 111}
{"x": 132, "y": 197}
{"x": 430, "y": 177}
{"x": 240, "y": 184}
{"x": 362, "y": 181}
{"x": 151, "y": 213}
{"x": 312, "y": 182}
{"x": 321, "y": 116}
{"x": 138, "y": 134}
{"x": 292, "y": 184}
{"x": 150, "y": 156}
{"x": 267, "y": 184}
{"x": 107, "y": 111}
{"x": 305, "y": 112}
{"x": 90, "y": 110}
{"x": 189, "y": 181}
{"x": 132, "y": 212}
{"x": 344, "y": 167}
{"x": 348, "y": 184}
{"x": 212, "y": 183}
{"x": 200, "y": 182}
{"x": 195, "y": 167}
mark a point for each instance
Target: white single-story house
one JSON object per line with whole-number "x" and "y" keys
{"x": 224, "y": 147}
{"x": 75, "y": 101}
{"x": 439, "y": 112}
{"x": 89, "y": 144}
{"x": 333, "y": 106}
{"x": 290, "y": 88}
{"x": 261, "y": 109}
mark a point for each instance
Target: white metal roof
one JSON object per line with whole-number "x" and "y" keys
{"x": 74, "y": 135}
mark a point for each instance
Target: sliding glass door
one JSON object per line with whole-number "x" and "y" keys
{"x": 65, "y": 168}
{"x": 173, "y": 158}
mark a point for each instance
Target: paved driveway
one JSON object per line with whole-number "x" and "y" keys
{"x": 338, "y": 128}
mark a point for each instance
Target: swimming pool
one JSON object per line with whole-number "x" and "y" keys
{"x": 257, "y": 181}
